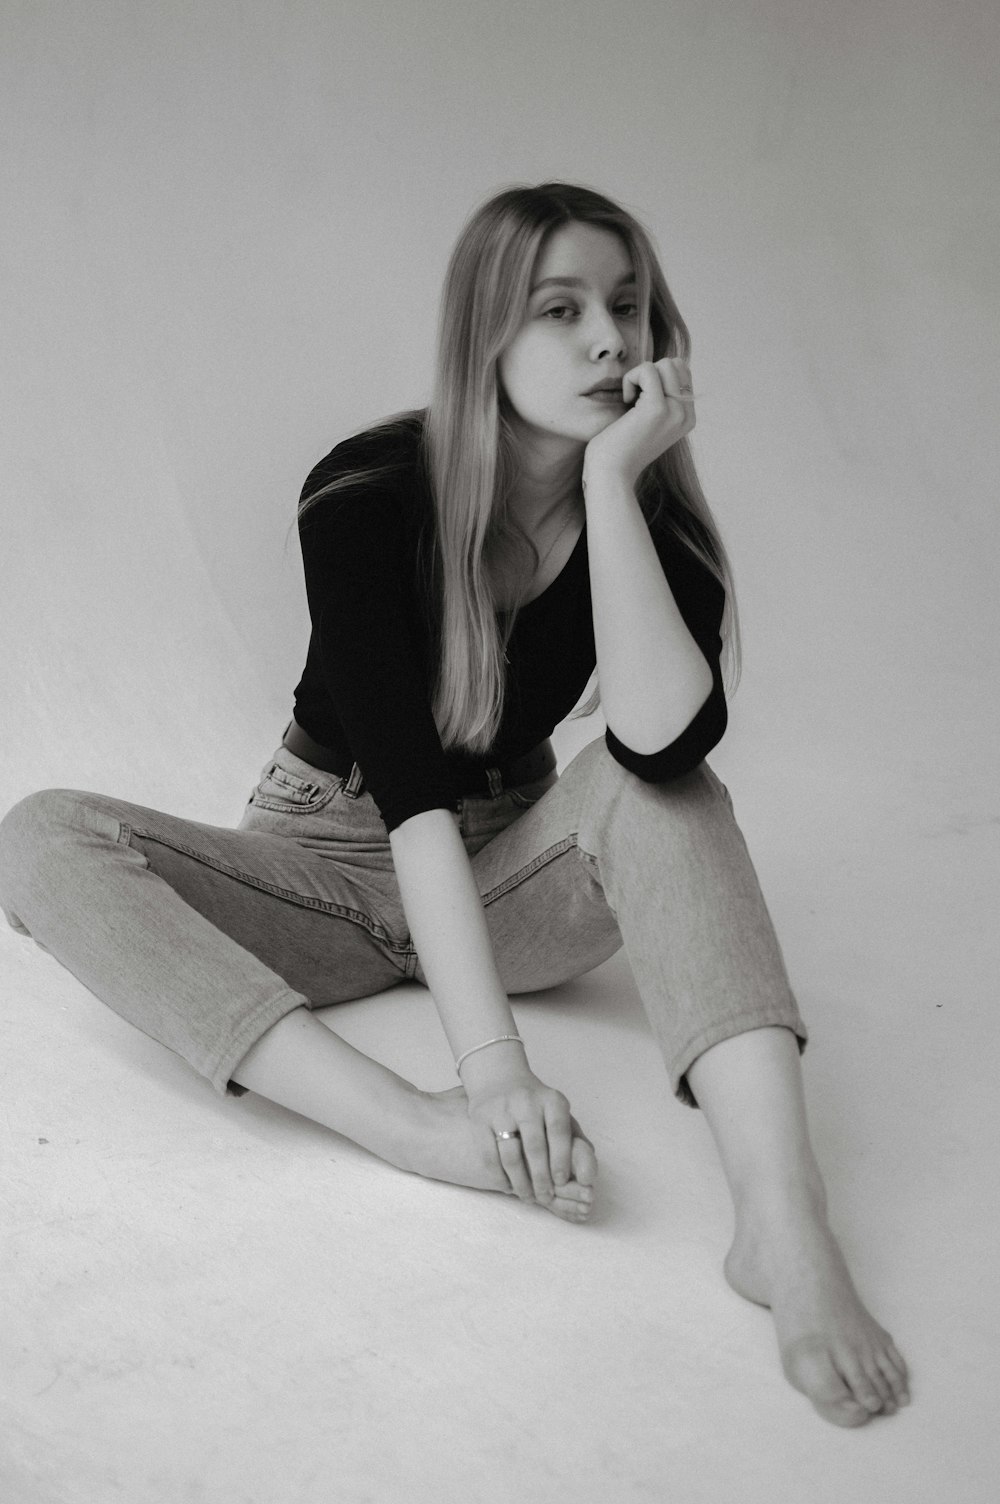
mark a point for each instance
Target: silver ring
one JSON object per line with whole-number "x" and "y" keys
{"x": 685, "y": 389}
{"x": 514, "y": 1133}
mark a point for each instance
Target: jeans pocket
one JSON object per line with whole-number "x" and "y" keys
{"x": 290, "y": 785}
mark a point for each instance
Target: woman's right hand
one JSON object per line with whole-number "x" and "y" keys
{"x": 539, "y": 1160}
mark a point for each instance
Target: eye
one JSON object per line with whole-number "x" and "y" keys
{"x": 634, "y": 307}
{"x": 557, "y": 308}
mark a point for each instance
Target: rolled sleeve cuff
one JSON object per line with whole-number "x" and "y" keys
{"x": 686, "y": 751}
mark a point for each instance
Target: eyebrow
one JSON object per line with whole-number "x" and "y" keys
{"x": 578, "y": 282}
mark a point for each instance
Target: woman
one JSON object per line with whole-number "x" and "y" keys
{"x": 467, "y": 567}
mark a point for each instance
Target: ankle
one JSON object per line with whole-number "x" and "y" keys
{"x": 798, "y": 1192}
{"x": 411, "y": 1130}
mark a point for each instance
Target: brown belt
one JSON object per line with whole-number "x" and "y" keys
{"x": 475, "y": 782}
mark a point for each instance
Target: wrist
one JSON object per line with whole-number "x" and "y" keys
{"x": 491, "y": 1069}
{"x": 600, "y": 475}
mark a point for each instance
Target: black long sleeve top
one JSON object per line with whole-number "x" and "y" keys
{"x": 367, "y": 683}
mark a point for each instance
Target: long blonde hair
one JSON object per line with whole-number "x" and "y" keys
{"x": 469, "y": 454}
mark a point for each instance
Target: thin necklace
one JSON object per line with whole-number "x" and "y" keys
{"x": 542, "y": 561}
{"x": 555, "y": 540}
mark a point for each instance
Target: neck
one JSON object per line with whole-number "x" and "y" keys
{"x": 548, "y": 486}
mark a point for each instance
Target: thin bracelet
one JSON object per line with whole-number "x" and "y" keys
{"x": 499, "y": 1039}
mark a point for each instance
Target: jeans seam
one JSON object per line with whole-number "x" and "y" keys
{"x": 542, "y": 860}
{"x": 341, "y": 911}
{"x": 289, "y": 806}
{"x": 593, "y": 867}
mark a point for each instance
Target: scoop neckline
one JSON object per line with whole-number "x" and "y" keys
{"x": 506, "y": 611}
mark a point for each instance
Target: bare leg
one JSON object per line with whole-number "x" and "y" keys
{"x": 304, "y": 1066}
{"x": 784, "y": 1255}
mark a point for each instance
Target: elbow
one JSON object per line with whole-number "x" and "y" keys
{"x": 686, "y": 751}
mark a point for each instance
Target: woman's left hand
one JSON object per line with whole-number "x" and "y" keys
{"x": 662, "y": 412}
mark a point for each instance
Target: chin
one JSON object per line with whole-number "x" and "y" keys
{"x": 574, "y": 430}
{"x": 603, "y": 419}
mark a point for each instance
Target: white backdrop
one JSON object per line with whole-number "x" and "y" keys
{"x": 230, "y": 224}
{"x": 225, "y": 229}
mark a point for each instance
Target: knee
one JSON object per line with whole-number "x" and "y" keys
{"x": 683, "y": 811}
{"x": 689, "y": 794}
{"x": 29, "y": 832}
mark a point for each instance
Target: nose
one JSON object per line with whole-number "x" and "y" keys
{"x": 605, "y": 338}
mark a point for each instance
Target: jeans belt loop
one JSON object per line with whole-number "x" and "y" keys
{"x": 355, "y": 785}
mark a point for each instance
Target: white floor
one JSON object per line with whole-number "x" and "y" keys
{"x": 211, "y": 1300}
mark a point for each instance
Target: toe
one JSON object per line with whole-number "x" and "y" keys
{"x": 864, "y": 1390}
{"x": 584, "y": 1162}
{"x": 579, "y": 1194}
{"x": 844, "y": 1413}
{"x": 568, "y": 1209}
{"x": 809, "y": 1367}
{"x": 879, "y": 1383}
{"x": 896, "y": 1359}
{"x": 895, "y": 1374}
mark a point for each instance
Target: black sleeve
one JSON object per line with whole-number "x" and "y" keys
{"x": 701, "y": 601}
{"x": 359, "y": 575}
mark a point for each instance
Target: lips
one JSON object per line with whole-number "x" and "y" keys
{"x": 611, "y": 385}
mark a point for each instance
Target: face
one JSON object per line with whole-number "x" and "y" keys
{"x": 581, "y": 327}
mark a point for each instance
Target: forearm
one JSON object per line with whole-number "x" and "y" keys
{"x": 444, "y": 911}
{"x": 654, "y": 678}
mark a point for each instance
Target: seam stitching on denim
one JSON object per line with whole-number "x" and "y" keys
{"x": 341, "y": 911}
{"x": 549, "y": 855}
{"x": 289, "y": 806}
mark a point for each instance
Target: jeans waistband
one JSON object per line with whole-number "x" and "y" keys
{"x": 484, "y": 783}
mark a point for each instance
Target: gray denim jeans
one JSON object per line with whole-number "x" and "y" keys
{"x": 204, "y": 937}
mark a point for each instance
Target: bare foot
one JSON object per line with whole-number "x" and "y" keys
{"x": 831, "y": 1348}
{"x": 445, "y": 1144}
